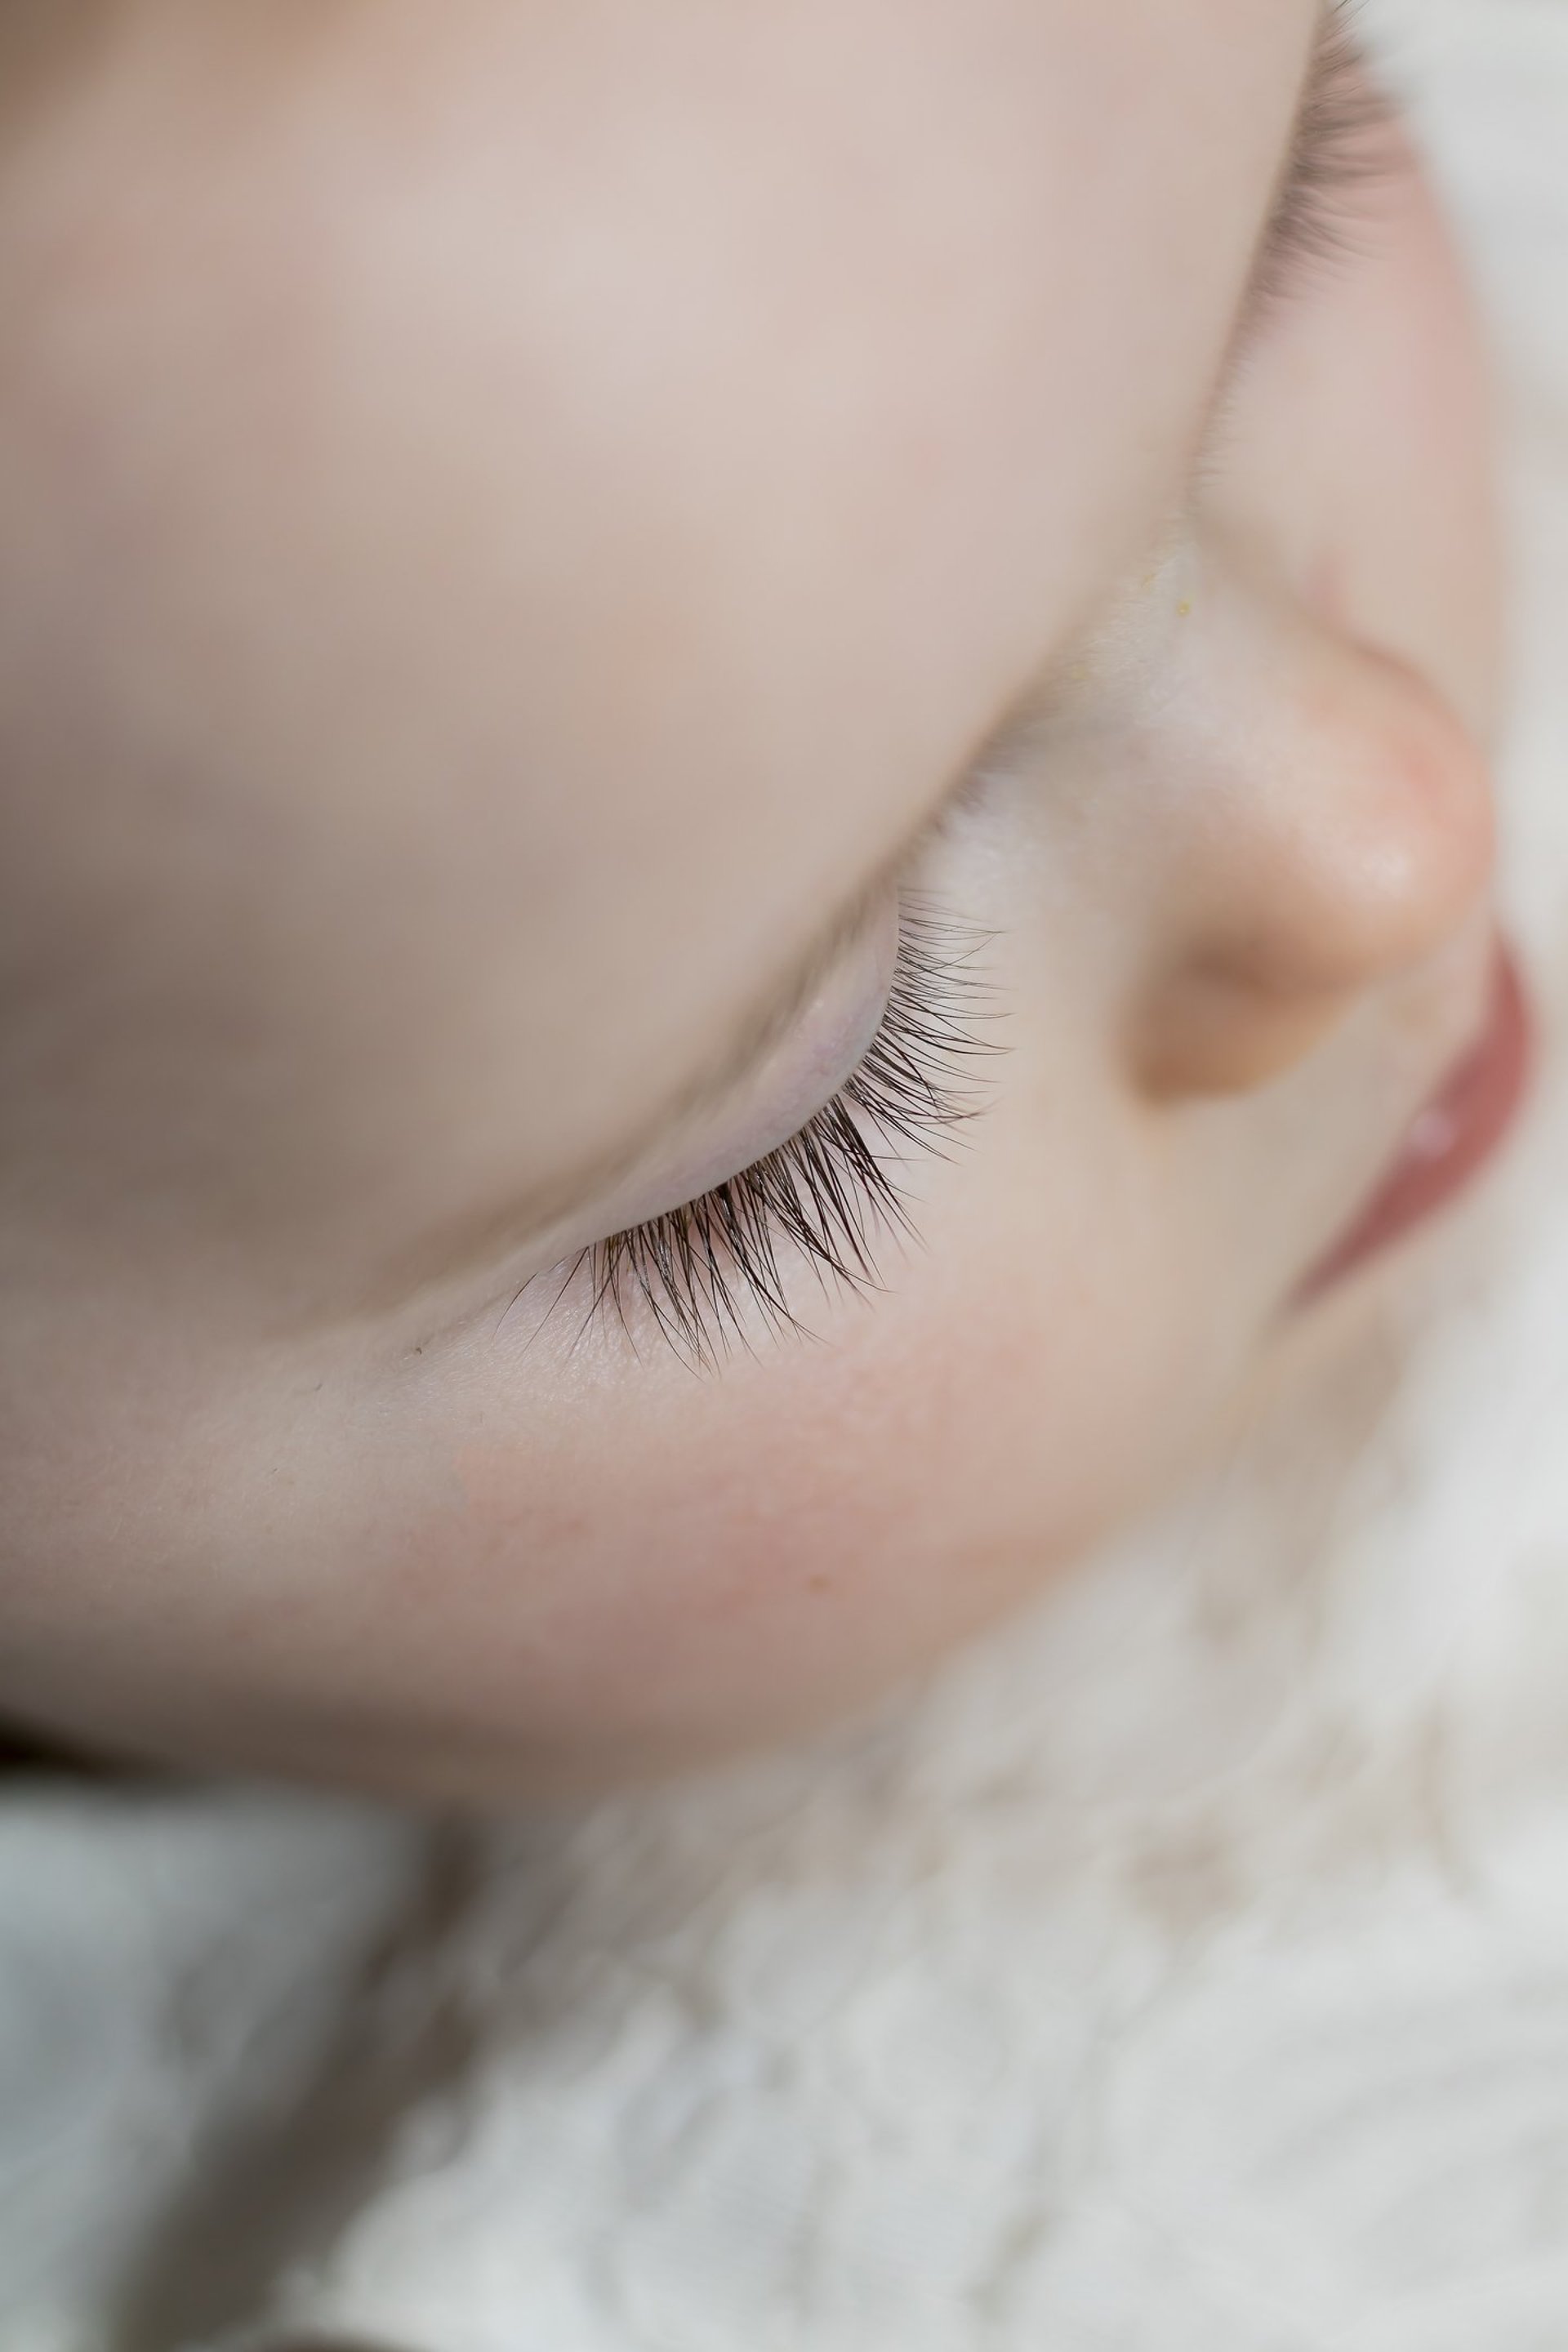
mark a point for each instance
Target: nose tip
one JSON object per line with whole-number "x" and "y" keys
{"x": 1357, "y": 845}
{"x": 1405, "y": 843}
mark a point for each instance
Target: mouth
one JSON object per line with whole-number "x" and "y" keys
{"x": 1459, "y": 1131}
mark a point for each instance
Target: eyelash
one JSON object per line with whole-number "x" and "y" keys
{"x": 1341, "y": 151}
{"x": 699, "y": 1274}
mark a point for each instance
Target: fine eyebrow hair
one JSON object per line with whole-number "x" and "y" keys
{"x": 778, "y": 1006}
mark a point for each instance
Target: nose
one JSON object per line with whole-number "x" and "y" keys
{"x": 1328, "y": 826}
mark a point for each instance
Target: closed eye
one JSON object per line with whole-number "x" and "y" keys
{"x": 699, "y": 1276}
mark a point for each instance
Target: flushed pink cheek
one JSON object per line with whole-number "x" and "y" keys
{"x": 746, "y": 1568}
{"x": 687, "y": 1596}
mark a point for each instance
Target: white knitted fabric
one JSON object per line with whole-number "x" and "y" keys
{"x": 1187, "y": 1971}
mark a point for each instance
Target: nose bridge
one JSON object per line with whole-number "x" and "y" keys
{"x": 1330, "y": 827}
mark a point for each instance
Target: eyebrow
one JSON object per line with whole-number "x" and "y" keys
{"x": 776, "y": 1009}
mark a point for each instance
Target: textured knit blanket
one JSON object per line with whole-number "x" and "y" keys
{"x": 1186, "y": 1970}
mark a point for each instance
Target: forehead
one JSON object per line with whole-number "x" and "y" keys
{"x": 546, "y": 494}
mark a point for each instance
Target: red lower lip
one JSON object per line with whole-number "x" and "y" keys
{"x": 1451, "y": 1140}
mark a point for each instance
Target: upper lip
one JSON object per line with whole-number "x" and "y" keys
{"x": 1480, "y": 1102}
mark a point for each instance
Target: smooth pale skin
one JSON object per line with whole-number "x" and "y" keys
{"x": 509, "y": 516}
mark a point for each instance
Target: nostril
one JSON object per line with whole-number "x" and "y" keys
{"x": 1218, "y": 1032}
{"x": 1399, "y": 843}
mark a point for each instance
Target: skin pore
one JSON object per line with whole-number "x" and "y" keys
{"x": 533, "y": 538}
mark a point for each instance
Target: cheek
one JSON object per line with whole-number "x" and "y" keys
{"x": 718, "y": 1561}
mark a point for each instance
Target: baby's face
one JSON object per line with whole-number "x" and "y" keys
{"x": 553, "y": 563}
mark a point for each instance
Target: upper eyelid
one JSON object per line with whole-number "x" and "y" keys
{"x": 775, "y": 1017}
{"x": 775, "y": 1025}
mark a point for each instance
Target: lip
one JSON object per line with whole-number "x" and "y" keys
{"x": 1451, "y": 1140}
